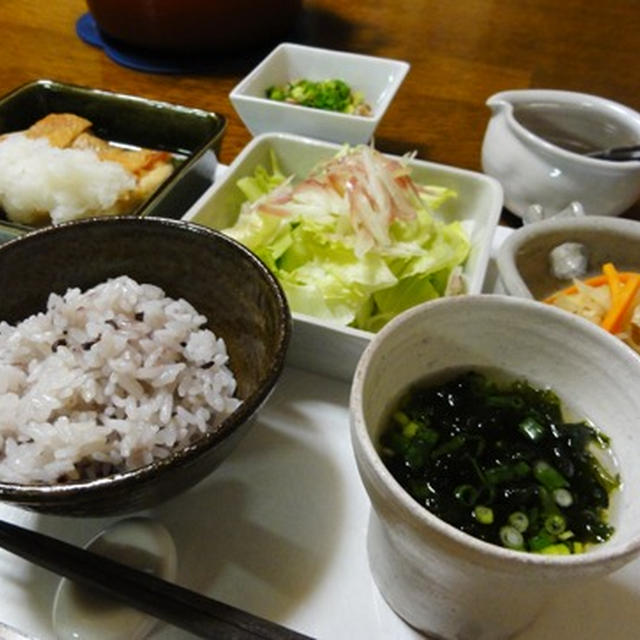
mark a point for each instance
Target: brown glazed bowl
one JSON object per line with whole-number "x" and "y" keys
{"x": 190, "y": 26}
{"x": 221, "y": 279}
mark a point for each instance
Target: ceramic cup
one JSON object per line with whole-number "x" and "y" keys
{"x": 535, "y": 146}
{"x": 441, "y": 581}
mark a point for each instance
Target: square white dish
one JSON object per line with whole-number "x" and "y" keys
{"x": 377, "y": 78}
{"x": 317, "y": 345}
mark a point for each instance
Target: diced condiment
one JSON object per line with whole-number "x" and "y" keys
{"x": 330, "y": 95}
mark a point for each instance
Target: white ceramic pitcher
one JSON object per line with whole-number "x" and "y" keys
{"x": 535, "y": 145}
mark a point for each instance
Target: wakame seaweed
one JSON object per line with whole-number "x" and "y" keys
{"x": 500, "y": 463}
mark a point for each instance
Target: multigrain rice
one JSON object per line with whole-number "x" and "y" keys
{"x": 107, "y": 380}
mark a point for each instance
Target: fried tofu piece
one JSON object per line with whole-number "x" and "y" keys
{"x": 148, "y": 167}
{"x": 61, "y": 129}
{"x": 146, "y": 185}
{"x": 137, "y": 161}
{"x": 88, "y": 141}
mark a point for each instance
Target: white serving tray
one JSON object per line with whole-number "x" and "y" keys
{"x": 280, "y": 530}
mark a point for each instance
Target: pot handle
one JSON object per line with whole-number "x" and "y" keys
{"x": 536, "y": 212}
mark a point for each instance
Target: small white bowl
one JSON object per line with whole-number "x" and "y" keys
{"x": 377, "y": 78}
{"x": 442, "y": 581}
{"x": 535, "y": 145}
{"x": 320, "y": 346}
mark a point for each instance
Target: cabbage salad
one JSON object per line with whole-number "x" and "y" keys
{"x": 356, "y": 241}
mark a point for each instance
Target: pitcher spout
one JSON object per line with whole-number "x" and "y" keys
{"x": 497, "y": 105}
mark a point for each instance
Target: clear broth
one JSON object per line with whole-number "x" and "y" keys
{"x": 573, "y": 128}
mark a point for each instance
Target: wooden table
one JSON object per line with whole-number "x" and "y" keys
{"x": 460, "y": 53}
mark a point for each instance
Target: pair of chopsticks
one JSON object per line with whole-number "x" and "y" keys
{"x": 164, "y": 600}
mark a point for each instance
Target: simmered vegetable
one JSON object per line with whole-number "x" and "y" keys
{"x": 611, "y": 300}
{"x": 502, "y": 464}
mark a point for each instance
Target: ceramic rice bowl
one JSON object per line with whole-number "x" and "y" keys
{"x": 222, "y": 280}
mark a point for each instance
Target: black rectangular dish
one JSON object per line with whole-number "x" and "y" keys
{"x": 191, "y": 136}
{"x": 8, "y": 232}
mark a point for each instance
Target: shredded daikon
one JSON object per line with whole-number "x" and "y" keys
{"x": 356, "y": 241}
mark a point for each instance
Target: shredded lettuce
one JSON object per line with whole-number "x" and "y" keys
{"x": 356, "y": 241}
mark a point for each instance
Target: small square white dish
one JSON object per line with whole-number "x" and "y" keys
{"x": 377, "y": 78}
{"x": 317, "y": 345}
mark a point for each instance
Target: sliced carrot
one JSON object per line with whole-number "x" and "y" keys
{"x": 613, "y": 280}
{"x": 613, "y": 318}
{"x": 595, "y": 281}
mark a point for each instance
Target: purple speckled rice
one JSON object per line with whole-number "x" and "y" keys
{"x": 105, "y": 380}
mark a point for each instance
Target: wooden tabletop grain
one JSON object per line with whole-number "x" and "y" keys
{"x": 461, "y": 52}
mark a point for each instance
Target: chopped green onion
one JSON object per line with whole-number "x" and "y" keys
{"x": 331, "y": 94}
{"x": 511, "y": 538}
{"x": 466, "y": 493}
{"x": 505, "y": 401}
{"x": 420, "y": 490}
{"x": 480, "y": 445}
{"x": 414, "y": 456}
{"x": 556, "y": 550}
{"x": 531, "y": 428}
{"x": 410, "y": 429}
{"x": 548, "y": 476}
{"x": 487, "y": 494}
{"x": 607, "y": 480}
{"x": 484, "y": 515}
{"x": 428, "y": 436}
{"x": 563, "y": 498}
{"x": 450, "y": 446}
{"x": 541, "y": 540}
{"x": 401, "y": 417}
{"x": 548, "y": 504}
{"x": 519, "y": 521}
{"x": 477, "y": 469}
{"x": 507, "y": 473}
{"x": 555, "y": 524}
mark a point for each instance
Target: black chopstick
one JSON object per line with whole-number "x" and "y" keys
{"x": 164, "y": 600}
